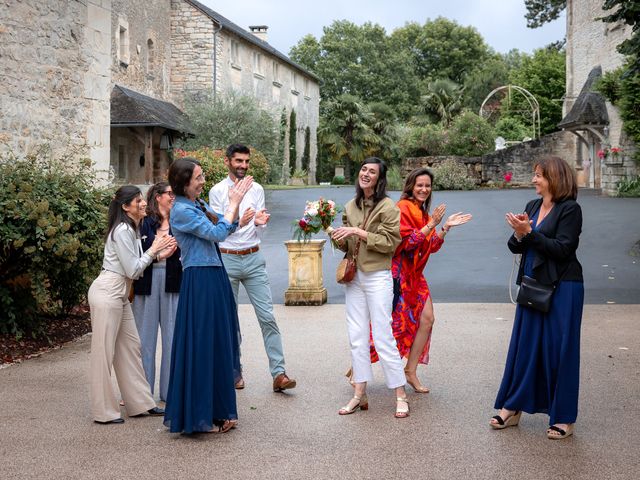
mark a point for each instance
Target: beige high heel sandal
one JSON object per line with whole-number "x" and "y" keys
{"x": 511, "y": 421}
{"x": 363, "y": 404}
{"x": 556, "y": 433}
{"x": 416, "y": 385}
{"x": 402, "y": 412}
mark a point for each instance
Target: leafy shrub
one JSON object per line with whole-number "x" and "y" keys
{"x": 394, "y": 178}
{"x": 423, "y": 140}
{"x": 52, "y": 219}
{"x": 470, "y": 136}
{"x": 222, "y": 120}
{"x": 512, "y": 128}
{"x": 629, "y": 187}
{"x": 338, "y": 180}
{"x": 215, "y": 170}
{"x": 452, "y": 175}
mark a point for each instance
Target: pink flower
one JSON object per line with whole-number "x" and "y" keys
{"x": 508, "y": 176}
{"x": 303, "y": 223}
{"x": 602, "y": 153}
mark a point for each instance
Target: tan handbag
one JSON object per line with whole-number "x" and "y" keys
{"x": 346, "y": 270}
{"x": 347, "y": 267}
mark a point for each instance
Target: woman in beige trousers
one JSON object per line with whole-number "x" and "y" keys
{"x": 115, "y": 342}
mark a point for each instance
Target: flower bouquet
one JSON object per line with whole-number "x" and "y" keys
{"x": 317, "y": 216}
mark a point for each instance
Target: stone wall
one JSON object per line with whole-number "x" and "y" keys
{"x": 192, "y": 43}
{"x": 517, "y": 159}
{"x": 141, "y": 56}
{"x": 55, "y": 77}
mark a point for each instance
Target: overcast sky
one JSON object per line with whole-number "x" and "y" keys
{"x": 500, "y": 22}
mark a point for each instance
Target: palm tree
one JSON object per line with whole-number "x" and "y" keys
{"x": 345, "y": 131}
{"x": 442, "y": 100}
{"x": 385, "y": 127}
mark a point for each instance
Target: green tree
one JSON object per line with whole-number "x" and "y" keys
{"x": 513, "y": 128}
{"x": 346, "y": 133}
{"x": 306, "y": 153}
{"x": 383, "y": 124}
{"x": 293, "y": 130}
{"x": 629, "y": 13}
{"x": 488, "y": 76}
{"x": 359, "y": 60}
{"x": 470, "y": 136}
{"x": 540, "y": 12}
{"x": 443, "y": 100}
{"x": 218, "y": 121}
{"x": 542, "y": 74}
{"x": 442, "y": 48}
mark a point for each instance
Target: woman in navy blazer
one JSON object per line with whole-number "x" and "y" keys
{"x": 157, "y": 290}
{"x": 543, "y": 363}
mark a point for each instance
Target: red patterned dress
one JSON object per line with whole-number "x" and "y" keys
{"x": 409, "y": 261}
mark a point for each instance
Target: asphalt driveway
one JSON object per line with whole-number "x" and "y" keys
{"x": 474, "y": 265}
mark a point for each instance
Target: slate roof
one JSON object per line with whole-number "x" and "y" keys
{"x": 133, "y": 109}
{"x": 589, "y": 108}
{"x": 227, "y": 24}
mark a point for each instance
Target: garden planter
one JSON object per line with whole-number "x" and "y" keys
{"x": 305, "y": 273}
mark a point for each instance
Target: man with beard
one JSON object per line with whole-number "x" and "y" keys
{"x": 245, "y": 263}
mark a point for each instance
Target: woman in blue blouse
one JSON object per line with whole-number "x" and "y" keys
{"x": 205, "y": 357}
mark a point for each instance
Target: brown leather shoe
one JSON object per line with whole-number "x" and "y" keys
{"x": 240, "y": 384}
{"x": 282, "y": 382}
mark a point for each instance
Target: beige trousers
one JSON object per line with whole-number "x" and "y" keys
{"x": 115, "y": 342}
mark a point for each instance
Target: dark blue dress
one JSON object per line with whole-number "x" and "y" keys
{"x": 543, "y": 363}
{"x": 205, "y": 358}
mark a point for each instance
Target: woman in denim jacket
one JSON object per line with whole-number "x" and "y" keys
{"x": 205, "y": 358}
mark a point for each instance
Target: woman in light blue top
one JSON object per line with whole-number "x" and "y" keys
{"x": 205, "y": 355}
{"x": 114, "y": 341}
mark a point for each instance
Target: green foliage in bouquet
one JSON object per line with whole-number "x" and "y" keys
{"x": 318, "y": 215}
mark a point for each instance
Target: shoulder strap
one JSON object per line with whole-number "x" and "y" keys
{"x": 364, "y": 227}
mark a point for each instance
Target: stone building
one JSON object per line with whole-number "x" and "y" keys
{"x": 212, "y": 54}
{"x": 55, "y": 76}
{"x": 108, "y": 77}
{"x": 144, "y": 122}
{"x": 591, "y": 51}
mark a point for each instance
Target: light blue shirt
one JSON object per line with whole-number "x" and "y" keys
{"x": 196, "y": 234}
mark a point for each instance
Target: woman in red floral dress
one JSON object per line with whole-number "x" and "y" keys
{"x": 413, "y": 313}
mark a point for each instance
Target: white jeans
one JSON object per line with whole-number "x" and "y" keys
{"x": 368, "y": 298}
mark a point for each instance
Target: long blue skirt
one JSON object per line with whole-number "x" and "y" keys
{"x": 205, "y": 357}
{"x": 543, "y": 364}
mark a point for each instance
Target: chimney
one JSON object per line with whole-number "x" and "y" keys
{"x": 259, "y": 31}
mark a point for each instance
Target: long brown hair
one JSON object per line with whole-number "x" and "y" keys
{"x": 153, "y": 210}
{"x": 380, "y": 191}
{"x": 123, "y": 196}
{"x": 180, "y": 173}
{"x": 410, "y": 183}
{"x": 561, "y": 177}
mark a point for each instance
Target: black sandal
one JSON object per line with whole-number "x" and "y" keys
{"x": 562, "y": 432}
{"x": 511, "y": 421}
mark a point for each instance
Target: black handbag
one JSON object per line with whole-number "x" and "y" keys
{"x": 535, "y": 295}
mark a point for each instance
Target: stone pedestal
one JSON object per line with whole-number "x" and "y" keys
{"x": 305, "y": 273}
